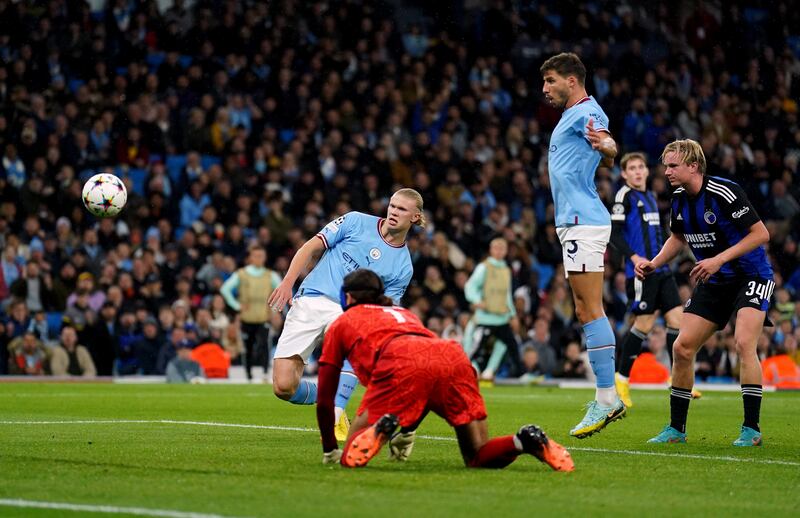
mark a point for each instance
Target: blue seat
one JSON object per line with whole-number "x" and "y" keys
{"x": 74, "y": 84}
{"x": 185, "y": 61}
{"x": 286, "y": 135}
{"x": 154, "y": 60}
{"x": 86, "y": 174}
{"x": 546, "y": 272}
{"x": 207, "y": 161}
{"x": 138, "y": 180}
{"x": 54, "y": 322}
{"x": 174, "y": 165}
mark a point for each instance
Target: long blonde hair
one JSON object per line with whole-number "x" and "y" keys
{"x": 417, "y": 197}
{"x": 690, "y": 151}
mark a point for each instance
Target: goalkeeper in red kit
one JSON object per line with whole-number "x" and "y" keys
{"x": 409, "y": 371}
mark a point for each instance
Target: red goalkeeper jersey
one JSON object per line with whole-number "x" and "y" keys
{"x": 361, "y": 332}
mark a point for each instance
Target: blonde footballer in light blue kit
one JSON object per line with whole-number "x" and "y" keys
{"x": 352, "y": 241}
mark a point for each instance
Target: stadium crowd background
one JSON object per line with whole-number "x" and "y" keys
{"x": 240, "y": 122}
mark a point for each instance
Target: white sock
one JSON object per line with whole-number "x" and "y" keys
{"x": 606, "y": 396}
{"x": 623, "y": 378}
{"x": 517, "y": 442}
{"x": 337, "y": 414}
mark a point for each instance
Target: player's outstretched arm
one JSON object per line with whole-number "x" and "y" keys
{"x": 282, "y": 295}
{"x": 758, "y": 235}
{"x": 672, "y": 247}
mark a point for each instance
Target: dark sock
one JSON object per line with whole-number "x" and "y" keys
{"x": 679, "y": 399}
{"x": 497, "y": 453}
{"x": 631, "y": 347}
{"x": 751, "y": 397}
{"x": 672, "y": 334}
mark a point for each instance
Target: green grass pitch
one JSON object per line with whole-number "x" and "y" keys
{"x": 173, "y": 455}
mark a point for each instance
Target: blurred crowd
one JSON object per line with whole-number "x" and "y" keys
{"x": 241, "y": 122}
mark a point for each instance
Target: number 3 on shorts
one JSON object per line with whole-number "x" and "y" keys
{"x": 572, "y": 247}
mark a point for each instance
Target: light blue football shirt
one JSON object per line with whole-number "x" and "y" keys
{"x": 354, "y": 241}
{"x": 572, "y": 163}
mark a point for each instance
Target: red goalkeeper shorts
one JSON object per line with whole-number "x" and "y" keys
{"x": 416, "y": 374}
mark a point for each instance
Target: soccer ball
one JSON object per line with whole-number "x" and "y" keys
{"x": 104, "y": 195}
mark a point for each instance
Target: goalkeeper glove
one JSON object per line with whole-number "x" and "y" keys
{"x": 332, "y": 457}
{"x": 401, "y": 444}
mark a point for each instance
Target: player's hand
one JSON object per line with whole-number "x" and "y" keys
{"x": 280, "y": 296}
{"x": 704, "y": 269}
{"x": 636, "y": 259}
{"x": 643, "y": 269}
{"x": 596, "y": 138}
{"x": 332, "y": 457}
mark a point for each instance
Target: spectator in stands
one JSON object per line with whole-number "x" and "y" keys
{"x": 182, "y": 368}
{"x": 70, "y": 358}
{"x": 284, "y": 121}
{"x": 103, "y": 341}
{"x": 127, "y": 361}
{"x": 169, "y": 348}
{"x": 233, "y": 343}
{"x": 148, "y": 347}
{"x": 530, "y": 359}
{"x": 539, "y": 340}
{"x": 34, "y": 287}
{"x": 573, "y": 365}
{"x": 86, "y": 284}
{"x": 27, "y": 355}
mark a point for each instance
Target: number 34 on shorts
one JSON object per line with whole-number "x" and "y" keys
{"x": 758, "y": 292}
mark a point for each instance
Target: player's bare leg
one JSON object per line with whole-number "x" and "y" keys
{"x": 288, "y": 383}
{"x": 479, "y": 451}
{"x": 695, "y": 331}
{"x": 749, "y": 324}
{"x": 587, "y": 292}
{"x": 672, "y": 319}
{"x": 358, "y": 424}
{"x": 471, "y": 438}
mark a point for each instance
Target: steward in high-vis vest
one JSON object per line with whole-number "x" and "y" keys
{"x": 781, "y": 372}
{"x": 489, "y": 291}
{"x": 254, "y": 284}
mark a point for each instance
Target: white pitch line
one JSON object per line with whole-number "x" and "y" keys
{"x": 108, "y": 509}
{"x": 690, "y": 456}
{"x": 429, "y": 437}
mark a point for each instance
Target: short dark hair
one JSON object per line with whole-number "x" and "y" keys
{"x": 566, "y": 64}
